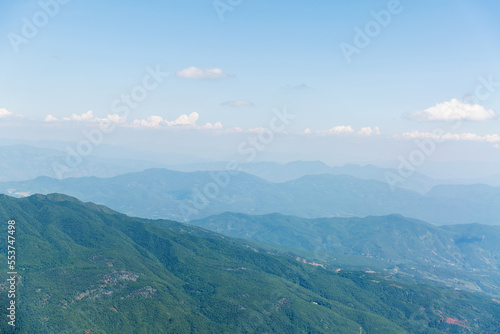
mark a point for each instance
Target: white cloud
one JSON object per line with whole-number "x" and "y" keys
{"x": 347, "y": 130}
{"x": 4, "y": 113}
{"x": 238, "y": 103}
{"x": 337, "y": 130}
{"x": 115, "y": 118}
{"x": 188, "y": 121}
{"x": 50, "y": 118}
{"x": 467, "y": 136}
{"x": 184, "y": 120}
{"x": 88, "y": 116}
{"x": 256, "y": 130}
{"x": 217, "y": 125}
{"x": 368, "y": 131}
{"x": 197, "y": 73}
{"x": 150, "y": 122}
{"x": 454, "y": 110}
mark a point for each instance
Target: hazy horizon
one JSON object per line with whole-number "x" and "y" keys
{"x": 364, "y": 83}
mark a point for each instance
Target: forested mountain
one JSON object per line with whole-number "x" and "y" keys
{"x": 85, "y": 268}
{"x": 459, "y": 256}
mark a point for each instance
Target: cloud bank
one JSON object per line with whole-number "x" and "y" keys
{"x": 183, "y": 120}
{"x": 344, "y": 130}
{"x": 467, "y": 136}
{"x": 86, "y": 117}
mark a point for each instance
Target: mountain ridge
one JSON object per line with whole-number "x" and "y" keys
{"x": 162, "y": 193}
{"x": 83, "y": 267}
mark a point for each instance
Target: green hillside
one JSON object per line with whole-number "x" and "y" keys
{"x": 86, "y": 269}
{"x": 459, "y": 256}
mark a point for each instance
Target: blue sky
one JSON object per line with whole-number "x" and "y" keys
{"x": 270, "y": 54}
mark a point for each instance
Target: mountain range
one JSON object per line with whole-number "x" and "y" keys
{"x": 22, "y": 162}
{"x": 161, "y": 193}
{"x": 83, "y": 268}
